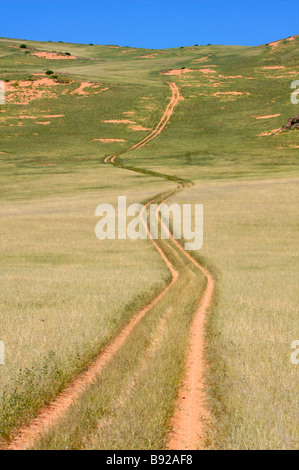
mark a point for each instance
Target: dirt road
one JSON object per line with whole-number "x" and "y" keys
{"x": 190, "y": 413}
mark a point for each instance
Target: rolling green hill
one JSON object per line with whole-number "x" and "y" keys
{"x": 65, "y": 295}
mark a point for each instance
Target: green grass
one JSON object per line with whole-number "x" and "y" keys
{"x": 63, "y": 290}
{"x": 64, "y": 294}
{"x": 130, "y": 406}
{"x": 250, "y": 236}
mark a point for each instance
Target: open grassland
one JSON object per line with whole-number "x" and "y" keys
{"x": 250, "y": 236}
{"x": 64, "y": 294}
{"x": 132, "y": 403}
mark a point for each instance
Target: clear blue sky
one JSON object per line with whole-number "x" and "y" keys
{"x": 150, "y": 23}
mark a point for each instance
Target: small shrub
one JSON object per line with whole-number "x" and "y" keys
{"x": 23, "y": 46}
{"x": 64, "y": 80}
{"x": 49, "y": 72}
{"x": 67, "y": 53}
{"x": 16, "y": 84}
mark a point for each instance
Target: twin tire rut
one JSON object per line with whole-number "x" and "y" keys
{"x": 190, "y": 413}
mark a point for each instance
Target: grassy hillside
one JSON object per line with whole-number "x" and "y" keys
{"x": 65, "y": 294}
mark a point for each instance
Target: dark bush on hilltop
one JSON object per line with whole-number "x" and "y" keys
{"x": 49, "y": 72}
{"x": 67, "y": 53}
{"x": 23, "y": 46}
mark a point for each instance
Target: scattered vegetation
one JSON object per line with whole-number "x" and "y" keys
{"x": 65, "y": 295}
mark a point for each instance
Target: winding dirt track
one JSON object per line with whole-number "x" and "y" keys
{"x": 159, "y": 128}
{"x": 190, "y": 413}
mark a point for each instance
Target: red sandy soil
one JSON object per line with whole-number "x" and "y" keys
{"x": 281, "y": 148}
{"x": 80, "y": 90}
{"x": 28, "y": 83}
{"x": 207, "y": 71}
{"x": 140, "y": 128}
{"x": 53, "y": 55}
{"x": 103, "y": 89}
{"x": 53, "y": 115}
{"x": 27, "y": 91}
{"x": 28, "y": 117}
{"x": 202, "y": 59}
{"x": 191, "y": 414}
{"x": 165, "y": 118}
{"x": 266, "y": 117}
{"x": 119, "y": 121}
{"x": 233, "y": 93}
{"x": 149, "y": 56}
{"x": 109, "y": 140}
{"x": 274, "y": 67}
{"x": 273, "y": 132}
{"x": 275, "y": 45}
{"x": 230, "y": 76}
{"x": 177, "y": 72}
